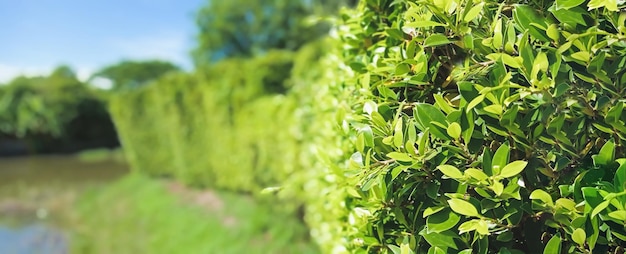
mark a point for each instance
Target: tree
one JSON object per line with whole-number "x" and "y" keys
{"x": 40, "y": 104}
{"x": 55, "y": 113}
{"x": 133, "y": 74}
{"x": 244, "y": 28}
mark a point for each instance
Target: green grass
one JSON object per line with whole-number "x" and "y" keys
{"x": 141, "y": 215}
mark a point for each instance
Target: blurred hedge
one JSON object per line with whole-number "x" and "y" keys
{"x": 245, "y": 125}
{"x": 199, "y": 127}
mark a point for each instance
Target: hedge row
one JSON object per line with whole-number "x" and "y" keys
{"x": 206, "y": 128}
{"x": 248, "y": 125}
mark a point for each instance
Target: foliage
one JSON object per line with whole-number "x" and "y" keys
{"x": 144, "y": 215}
{"x": 40, "y": 104}
{"x": 245, "y": 28}
{"x": 488, "y": 127}
{"x": 133, "y": 74}
{"x": 55, "y": 113}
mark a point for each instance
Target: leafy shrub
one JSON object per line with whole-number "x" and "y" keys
{"x": 219, "y": 128}
{"x": 488, "y": 127}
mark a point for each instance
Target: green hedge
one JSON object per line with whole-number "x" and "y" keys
{"x": 488, "y": 126}
{"x": 248, "y": 125}
{"x": 205, "y": 128}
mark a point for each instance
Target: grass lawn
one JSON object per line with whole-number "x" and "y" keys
{"x": 139, "y": 214}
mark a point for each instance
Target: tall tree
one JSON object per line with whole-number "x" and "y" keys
{"x": 133, "y": 74}
{"x": 242, "y": 28}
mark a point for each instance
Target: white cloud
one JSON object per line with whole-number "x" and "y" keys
{"x": 168, "y": 46}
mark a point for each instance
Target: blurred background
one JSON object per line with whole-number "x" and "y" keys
{"x": 143, "y": 126}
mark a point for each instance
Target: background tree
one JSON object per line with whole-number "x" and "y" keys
{"x": 55, "y": 113}
{"x": 131, "y": 74}
{"x": 242, "y": 28}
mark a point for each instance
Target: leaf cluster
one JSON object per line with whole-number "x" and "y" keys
{"x": 488, "y": 126}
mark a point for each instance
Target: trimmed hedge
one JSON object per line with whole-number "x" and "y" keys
{"x": 205, "y": 129}
{"x": 488, "y": 127}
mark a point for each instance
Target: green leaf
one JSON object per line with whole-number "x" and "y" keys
{"x": 436, "y": 40}
{"x": 600, "y": 207}
{"x": 436, "y": 250}
{"x": 619, "y": 180}
{"x": 422, "y": 23}
{"x": 543, "y": 196}
{"x": 442, "y": 221}
{"x": 579, "y": 236}
{"x": 395, "y": 33}
{"x": 443, "y": 240}
{"x": 432, "y": 210}
{"x": 583, "y": 56}
{"x": 454, "y": 130}
{"x": 571, "y": 17}
{"x": 394, "y": 249}
{"x": 610, "y": 5}
{"x": 473, "y": 12}
{"x": 497, "y": 187}
{"x": 568, "y": 4}
{"x": 463, "y": 207}
{"x": 524, "y": 16}
{"x": 405, "y": 248}
{"x": 480, "y": 226}
{"x": 509, "y": 116}
{"x": 606, "y": 155}
{"x": 513, "y": 169}
{"x": 450, "y": 171}
{"x": 475, "y": 102}
{"x": 592, "y": 196}
{"x": 402, "y": 69}
{"x": 443, "y": 104}
{"x": 500, "y": 159}
{"x": 398, "y": 135}
{"x": 400, "y": 156}
{"x": 554, "y": 245}
{"x": 614, "y": 114}
{"x": 468, "y": 226}
{"x": 476, "y": 174}
{"x": 618, "y": 215}
{"x": 426, "y": 114}
{"x": 541, "y": 64}
{"x": 514, "y": 62}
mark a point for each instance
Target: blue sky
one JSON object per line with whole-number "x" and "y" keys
{"x": 38, "y": 35}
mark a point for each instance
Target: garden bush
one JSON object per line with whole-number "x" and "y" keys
{"x": 212, "y": 128}
{"x": 487, "y": 126}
